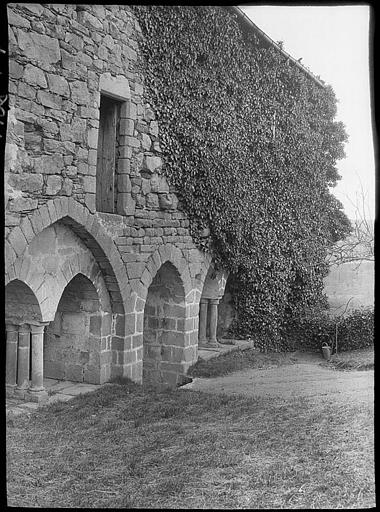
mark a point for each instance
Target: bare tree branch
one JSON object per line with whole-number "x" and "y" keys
{"x": 359, "y": 245}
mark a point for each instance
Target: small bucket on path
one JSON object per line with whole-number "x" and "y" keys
{"x": 326, "y": 351}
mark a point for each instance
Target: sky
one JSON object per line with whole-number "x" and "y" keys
{"x": 333, "y": 42}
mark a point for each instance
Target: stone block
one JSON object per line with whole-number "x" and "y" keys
{"x": 73, "y": 323}
{"x": 152, "y": 163}
{"x": 91, "y": 375}
{"x": 124, "y": 183}
{"x": 105, "y": 358}
{"x": 78, "y": 130}
{"x": 169, "y": 378}
{"x": 130, "y": 324}
{"x": 123, "y": 166}
{"x": 128, "y": 110}
{"x": 54, "y": 370}
{"x": 177, "y": 354}
{"x": 137, "y": 341}
{"x": 34, "y": 76}
{"x": 139, "y": 322}
{"x": 89, "y": 184}
{"x": 26, "y": 91}
{"x": 117, "y": 343}
{"x": 53, "y": 185}
{"x": 16, "y": 71}
{"x": 49, "y": 164}
{"x": 75, "y": 373}
{"x": 89, "y": 21}
{"x": 126, "y": 127}
{"x": 92, "y": 157}
{"x": 135, "y": 270}
{"x": 90, "y": 202}
{"x": 153, "y": 128}
{"x": 106, "y": 325}
{"x": 17, "y": 240}
{"x": 34, "y": 8}
{"x": 49, "y": 100}
{"x": 95, "y": 325}
{"x": 67, "y": 187}
{"x": 92, "y": 138}
{"x": 79, "y": 93}
{"x": 152, "y": 201}
{"x": 172, "y": 338}
{"x": 27, "y": 182}
{"x": 16, "y": 20}
{"x": 39, "y": 47}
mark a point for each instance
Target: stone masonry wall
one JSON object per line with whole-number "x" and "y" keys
{"x": 61, "y": 57}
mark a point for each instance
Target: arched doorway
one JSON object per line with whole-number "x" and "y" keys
{"x": 226, "y": 311}
{"x": 76, "y": 342}
{"x": 212, "y": 293}
{"x": 164, "y": 328}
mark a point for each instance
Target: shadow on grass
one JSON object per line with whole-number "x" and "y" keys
{"x": 237, "y": 360}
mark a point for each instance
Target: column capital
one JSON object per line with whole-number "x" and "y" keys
{"x": 23, "y": 328}
{"x": 204, "y": 301}
{"x": 38, "y": 328}
{"x": 10, "y": 326}
{"x": 214, "y": 301}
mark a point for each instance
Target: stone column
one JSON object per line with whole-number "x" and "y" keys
{"x": 23, "y": 357}
{"x": 213, "y": 321}
{"x": 37, "y": 357}
{"x": 203, "y": 306}
{"x": 11, "y": 354}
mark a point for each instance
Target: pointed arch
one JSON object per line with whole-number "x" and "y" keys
{"x": 88, "y": 228}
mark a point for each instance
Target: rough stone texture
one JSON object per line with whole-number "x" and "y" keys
{"x": 58, "y": 69}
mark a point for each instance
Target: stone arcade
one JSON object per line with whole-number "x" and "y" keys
{"x": 102, "y": 276}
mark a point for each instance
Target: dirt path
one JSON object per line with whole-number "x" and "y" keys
{"x": 305, "y": 378}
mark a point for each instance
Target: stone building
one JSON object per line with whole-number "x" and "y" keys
{"x": 102, "y": 276}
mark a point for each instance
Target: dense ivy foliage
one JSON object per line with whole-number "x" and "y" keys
{"x": 250, "y": 143}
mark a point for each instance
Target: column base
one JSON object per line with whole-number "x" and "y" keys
{"x": 37, "y": 395}
{"x": 10, "y": 390}
{"x": 207, "y": 344}
{"x": 21, "y": 392}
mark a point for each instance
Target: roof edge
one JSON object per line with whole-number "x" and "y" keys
{"x": 249, "y": 23}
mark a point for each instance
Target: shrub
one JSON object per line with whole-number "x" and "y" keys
{"x": 356, "y": 330}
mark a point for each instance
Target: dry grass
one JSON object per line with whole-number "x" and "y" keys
{"x": 360, "y": 359}
{"x": 123, "y": 447}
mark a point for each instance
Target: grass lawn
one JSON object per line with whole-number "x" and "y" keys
{"x": 123, "y": 447}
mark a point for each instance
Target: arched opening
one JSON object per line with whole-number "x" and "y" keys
{"x": 77, "y": 342}
{"x": 213, "y": 291}
{"x": 21, "y": 305}
{"x": 164, "y": 328}
{"x": 226, "y": 311}
{"x": 23, "y": 321}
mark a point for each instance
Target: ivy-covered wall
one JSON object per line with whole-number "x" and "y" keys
{"x": 250, "y": 143}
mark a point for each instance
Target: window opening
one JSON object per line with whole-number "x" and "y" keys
{"x": 107, "y": 155}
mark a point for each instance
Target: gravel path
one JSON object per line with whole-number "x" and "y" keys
{"x": 306, "y": 378}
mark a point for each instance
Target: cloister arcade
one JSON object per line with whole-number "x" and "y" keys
{"x": 73, "y": 313}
